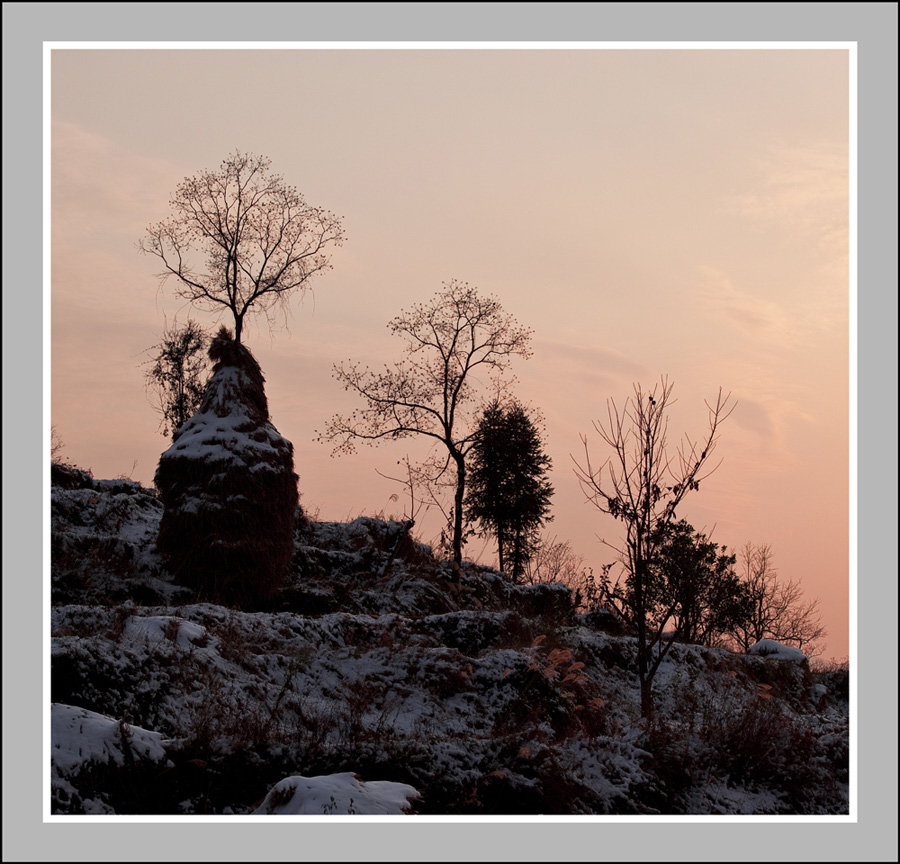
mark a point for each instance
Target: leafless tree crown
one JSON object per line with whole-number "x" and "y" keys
{"x": 451, "y": 341}
{"x": 641, "y": 484}
{"x": 454, "y": 343}
{"x": 258, "y": 237}
{"x": 780, "y": 610}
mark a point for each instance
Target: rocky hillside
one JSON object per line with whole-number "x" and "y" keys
{"x": 378, "y": 684}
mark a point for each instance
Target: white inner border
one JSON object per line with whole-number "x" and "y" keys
{"x": 50, "y": 46}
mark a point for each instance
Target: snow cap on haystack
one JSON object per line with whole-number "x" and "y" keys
{"x": 228, "y": 487}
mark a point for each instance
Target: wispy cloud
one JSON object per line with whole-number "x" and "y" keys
{"x": 588, "y": 358}
{"x": 756, "y": 417}
{"x": 99, "y": 186}
{"x": 804, "y": 189}
{"x": 754, "y": 314}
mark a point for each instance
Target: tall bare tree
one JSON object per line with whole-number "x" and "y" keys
{"x": 641, "y": 484}
{"x": 778, "y": 610}
{"x": 451, "y": 341}
{"x": 260, "y": 239}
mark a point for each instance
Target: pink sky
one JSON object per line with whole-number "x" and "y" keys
{"x": 645, "y": 212}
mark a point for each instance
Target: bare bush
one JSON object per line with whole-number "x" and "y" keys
{"x": 779, "y": 609}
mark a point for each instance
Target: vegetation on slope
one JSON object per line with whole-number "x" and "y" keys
{"x": 485, "y": 696}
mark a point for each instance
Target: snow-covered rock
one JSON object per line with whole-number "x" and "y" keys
{"x": 337, "y": 795}
{"x": 777, "y": 650}
{"x": 81, "y": 737}
{"x": 85, "y": 745}
{"x": 818, "y": 693}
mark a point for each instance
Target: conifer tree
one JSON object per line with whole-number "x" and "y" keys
{"x": 509, "y": 493}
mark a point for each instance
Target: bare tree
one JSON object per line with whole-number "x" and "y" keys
{"x": 409, "y": 520}
{"x": 451, "y": 340}
{"x": 56, "y": 446}
{"x": 260, "y": 238}
{"x": 428, "y": 479}
{"x": 554, "y": 561}
{"x": 641, "y": 485}
{"x": 779, "y": 610}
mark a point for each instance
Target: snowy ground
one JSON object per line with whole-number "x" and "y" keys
{"x": 360, "y": 691}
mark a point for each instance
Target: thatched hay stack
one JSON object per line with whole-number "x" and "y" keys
{"x": 228, "y": 487}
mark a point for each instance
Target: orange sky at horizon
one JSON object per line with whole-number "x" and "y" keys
{"x": 646, "y": 212}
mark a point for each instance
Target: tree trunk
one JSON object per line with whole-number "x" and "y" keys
{"x": 518, "y": 564}
{"x": 640, "y": 615}
{"x": 646, "y": 700}
{"x": 458, "y": 507}
{"x": 643, "y": 677}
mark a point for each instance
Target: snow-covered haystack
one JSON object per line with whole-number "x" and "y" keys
{"x": 228, "y": 487}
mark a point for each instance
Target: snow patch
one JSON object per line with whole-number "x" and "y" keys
{"x": 771, "y": 648}
{"x": 337, "y": 795}
{"x": 160, "y": 628}
{"x": 79, "y": 736}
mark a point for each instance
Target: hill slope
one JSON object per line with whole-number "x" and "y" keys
{"x": 378, "y": 686}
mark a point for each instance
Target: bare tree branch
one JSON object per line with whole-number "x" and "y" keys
{"x": 431, "y": 391}
{"x": 642, "y": 485}
{"x": 261, "y": 240}
{"x": 780, "y": 611}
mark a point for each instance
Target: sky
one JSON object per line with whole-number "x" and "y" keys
{"x": 677, "y": 212}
